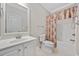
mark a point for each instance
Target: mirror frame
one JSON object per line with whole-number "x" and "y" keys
{"x": 15, "y": 33}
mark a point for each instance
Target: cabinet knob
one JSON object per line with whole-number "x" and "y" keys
{"x": 19, "y": 50}
{"x": 73, "y": 34}
{"x": 25, "y": 47}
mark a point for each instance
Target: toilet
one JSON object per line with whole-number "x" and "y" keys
{"x": 46, "y": 45}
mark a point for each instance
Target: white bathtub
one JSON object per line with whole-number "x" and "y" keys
{"x": 66, "y": 49}
{"x": 63, "y": 49}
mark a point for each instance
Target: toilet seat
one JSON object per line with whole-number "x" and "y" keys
{"x": 46, "y": 43}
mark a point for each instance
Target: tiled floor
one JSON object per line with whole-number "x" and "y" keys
{"x": 55, "y": 52}
{"x": 42, "y": 52}
{"x": 62, "y": 49}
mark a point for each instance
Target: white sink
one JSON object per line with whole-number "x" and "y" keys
{"x": 21, "y": 39}
{"x": 17, "y": 40}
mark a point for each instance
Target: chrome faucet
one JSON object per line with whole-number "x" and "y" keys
{"x": 18, "y": 37}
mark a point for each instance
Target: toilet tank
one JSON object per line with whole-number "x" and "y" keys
{"x": 42, "y": 37}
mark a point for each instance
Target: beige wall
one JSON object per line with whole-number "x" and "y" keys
{"x": 37, "y": 16}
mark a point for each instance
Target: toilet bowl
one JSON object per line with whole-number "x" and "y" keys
{"x": 46, "y": 45}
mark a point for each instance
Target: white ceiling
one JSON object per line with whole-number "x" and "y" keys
{"x": 53, "y": 6}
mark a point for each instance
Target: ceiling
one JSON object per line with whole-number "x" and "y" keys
{"x": 53, "y": 6}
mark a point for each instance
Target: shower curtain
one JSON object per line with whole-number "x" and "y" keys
{"x": 52, "y": 19}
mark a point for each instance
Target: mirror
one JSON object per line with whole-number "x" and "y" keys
{"x": 16, "y": 19}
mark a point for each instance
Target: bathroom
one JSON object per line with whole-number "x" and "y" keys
{"x": 24, "y": 29}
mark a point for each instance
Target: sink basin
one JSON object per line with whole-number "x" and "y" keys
{"x": 20, "y": 40}
{"x": 17, "y": 40}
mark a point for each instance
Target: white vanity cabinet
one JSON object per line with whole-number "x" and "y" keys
{"x": 26, "y": 48}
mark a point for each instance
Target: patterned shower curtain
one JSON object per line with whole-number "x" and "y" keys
{"x": 52, "y": 19}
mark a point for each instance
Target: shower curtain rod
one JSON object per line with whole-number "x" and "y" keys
{"x": 64, "y": 7}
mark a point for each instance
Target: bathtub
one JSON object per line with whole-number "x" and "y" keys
{"x": 63, "y": 49}
{"x": 66, "y": 49}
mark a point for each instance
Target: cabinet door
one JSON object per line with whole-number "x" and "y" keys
{"x": 25, "y": 51}
{"x": 20, "y": 50}
{"x": 29, "y": 48}
{"x": 12, "y": 51}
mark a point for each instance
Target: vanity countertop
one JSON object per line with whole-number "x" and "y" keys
{"x": 13, "y": 41}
